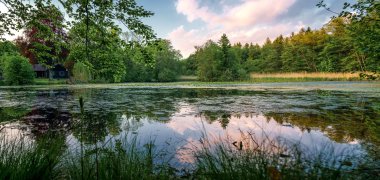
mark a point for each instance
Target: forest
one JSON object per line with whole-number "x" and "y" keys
{"x": 93, "y": 47}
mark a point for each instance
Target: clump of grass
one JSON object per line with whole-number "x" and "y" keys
{"x": 22, "y": 159}
{"x": 304, "y": 76}
{"x": 121, "y": 159}
{"x": 269, "y": 159}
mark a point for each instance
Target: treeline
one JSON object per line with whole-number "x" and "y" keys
{"x": 93, "y": 48}
{"x": 346, "y": 44}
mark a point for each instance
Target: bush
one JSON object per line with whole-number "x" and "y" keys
{"x": 81, "y": 73}
{"x": 17, "y": 70}
{"x": 226, "y": 76}
{"x": 167, "y": 75}
{"x": 242, "y": 74}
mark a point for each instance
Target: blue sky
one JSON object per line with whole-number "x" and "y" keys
{"x": 189, "y": 23}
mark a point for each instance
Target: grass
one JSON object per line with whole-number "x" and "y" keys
{"x": 188, "y": 78}
{"x": 22, "y": 159}
{"x": 46, "y": 81}
{"x": 303, "y": 76}
{"x": 49, "y": 158}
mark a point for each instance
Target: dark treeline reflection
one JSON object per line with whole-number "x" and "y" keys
{"x": 342, "y": 116}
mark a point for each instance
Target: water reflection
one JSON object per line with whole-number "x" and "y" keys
{"x": 178, "y": 118}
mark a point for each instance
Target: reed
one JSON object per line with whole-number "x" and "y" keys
{"x": 308, "y": 76}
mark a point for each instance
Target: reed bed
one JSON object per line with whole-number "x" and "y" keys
{"x": 308, "y": 75}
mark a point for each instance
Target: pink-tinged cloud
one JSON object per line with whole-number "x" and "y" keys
{"x": 246, "y": 22}
{"x": 185, "y": 41}
{"x": 248, "y": 13}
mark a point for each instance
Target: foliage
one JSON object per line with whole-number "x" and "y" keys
{"x": 105, "y": 58}
{"x": 44, "y": 41}
{"x": 81, "y": 73}
{"x": 6, "y": 48}
{"x": 22, "y": 160}
{"x": 336, "y": 47}
{"x": 157, "y": 61}
{"x": 94, "y": 35}
{"x": 103, "y": 14}
{"x": 218, "y": 61}
{"x": 362, "y": 30}
{"x": 17, "y": 70}
{"x": 167, "y": 66}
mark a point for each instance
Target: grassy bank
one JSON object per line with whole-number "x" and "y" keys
{"x": 45, "y": 81}
{"x": 254, "y": 78}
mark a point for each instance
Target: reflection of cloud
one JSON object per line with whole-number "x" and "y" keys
{"x": 190, "y": 128}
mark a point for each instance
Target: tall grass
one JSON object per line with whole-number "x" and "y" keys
{"x": 252, "y": 158}
{"x": 249, "y": 158}
{"x": 121, "y": 159}
{"x": 305, "y": 76}
{"x": 22, "y": 159}
{"x": 49, "y": 158}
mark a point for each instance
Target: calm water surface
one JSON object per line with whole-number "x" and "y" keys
{"x": 344, "y": 116}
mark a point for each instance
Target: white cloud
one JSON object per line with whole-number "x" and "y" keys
{"x": 248, "y": 21}
{"x": 185, "y": 41}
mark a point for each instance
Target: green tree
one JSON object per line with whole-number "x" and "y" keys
{"x": 167, "y": 66}
{"x": 17, "y": 70}
{"x": 105, "y": 59}
{"x": 6, "y": 48}
{"x": 208, "y": 60}
{"x": 363, "y": 29}
{"x": 44, "y": 41}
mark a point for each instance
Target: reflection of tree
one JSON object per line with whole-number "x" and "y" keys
{"x": 221, "y": 116}
{"x": 12, "y": 113}
{"x": 93, "y": 127}
{"x": 130, "y": 123}
{"x": 340, "y": 124}
{"x": 45, "y": 119}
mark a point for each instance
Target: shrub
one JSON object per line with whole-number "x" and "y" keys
{"x": 226, "y": 76}
{"x": 167, "y": 75}
{"x": 242, "y": 74}
{"x": 81, "y": 73}
{"x": 17, "y": 70}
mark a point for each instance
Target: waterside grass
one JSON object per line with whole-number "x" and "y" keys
{"x": 250, "y": 158}
{"x": 46, "y": 81}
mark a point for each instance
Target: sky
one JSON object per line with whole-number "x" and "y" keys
{"x": 190, "y": 23}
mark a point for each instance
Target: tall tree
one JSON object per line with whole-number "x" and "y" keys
{"x": 364, "y": 28}
{"x": 44, "y": 41}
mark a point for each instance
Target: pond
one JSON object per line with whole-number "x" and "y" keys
{"x": 343, "y": 116}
